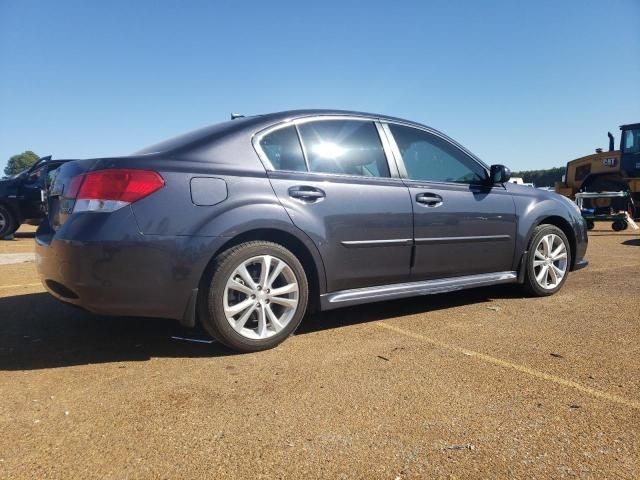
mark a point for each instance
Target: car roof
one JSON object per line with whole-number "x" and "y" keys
{"x": 291, "y": 114}
{"x": 253, "y": 124}
{"x": 250, "y": 125}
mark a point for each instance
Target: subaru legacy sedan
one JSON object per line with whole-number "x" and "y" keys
{"x": 246, "y": 225}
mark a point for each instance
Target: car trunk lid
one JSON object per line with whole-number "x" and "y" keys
{"x": 58, "y": 203}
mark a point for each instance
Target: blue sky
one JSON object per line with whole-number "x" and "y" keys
{"x": 527, "y": 84}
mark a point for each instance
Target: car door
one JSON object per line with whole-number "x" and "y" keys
{"x": 30, "y": 193}
{"x": 334, "y": 178}
{"x": 462, "y": 226}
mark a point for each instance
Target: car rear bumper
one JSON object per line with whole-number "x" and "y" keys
{"x": 134, "y": 275}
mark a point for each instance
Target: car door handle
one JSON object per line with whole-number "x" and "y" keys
{"x": 306, "y": 193}
{"x": 429, "y": 199}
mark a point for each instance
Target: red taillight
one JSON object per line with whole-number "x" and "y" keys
{"x": 108, "y": 190}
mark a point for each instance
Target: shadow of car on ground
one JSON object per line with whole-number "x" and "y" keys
{"x": 40, "y": 332}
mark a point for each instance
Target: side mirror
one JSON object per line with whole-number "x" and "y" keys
{"x": 499, "y": 174}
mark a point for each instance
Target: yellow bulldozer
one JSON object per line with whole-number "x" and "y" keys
{"x": 611, "y": 171}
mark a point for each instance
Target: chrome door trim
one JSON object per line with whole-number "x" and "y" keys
{"x": 357, "y": 296}
{"x": 392, "y": 242}
{"x": 476, "y": 238}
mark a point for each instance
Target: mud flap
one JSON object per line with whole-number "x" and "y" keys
{"x": 189, "y": 317}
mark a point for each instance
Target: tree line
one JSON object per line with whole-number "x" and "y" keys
{"x": 542, "y": 178}
{"x": 19, "y": 163}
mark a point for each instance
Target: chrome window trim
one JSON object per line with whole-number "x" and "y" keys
{"x": 258, "y": 136}
{"x": 303, "y": 149}
{"x": 394, "y": 171}
{"x": 400, "y": 161}
{"x": 397, "y": 156}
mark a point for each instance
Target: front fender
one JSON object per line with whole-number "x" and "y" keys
{"x": 536, "y": 209}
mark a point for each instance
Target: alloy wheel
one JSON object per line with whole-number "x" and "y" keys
{"x": 550, "y": 261}
{"x": 261, "y": 297}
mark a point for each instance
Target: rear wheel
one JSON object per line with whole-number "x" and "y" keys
{"x": 548, "y": 261}
{"x": 8, "y": 222}
{"x": 619, "y": 225}
{"x": 590, "y": 224}
{"x": 257, "y": 296}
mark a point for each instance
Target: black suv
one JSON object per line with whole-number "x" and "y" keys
{"x": 21, "y": 199}
{"x": 247, "y": 224}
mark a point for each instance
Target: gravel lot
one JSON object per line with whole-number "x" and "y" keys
{"x": 475, "y": 384}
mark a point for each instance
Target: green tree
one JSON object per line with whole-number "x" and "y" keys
{"x": 542, "y": 178}
{"x": 20, "y": 162}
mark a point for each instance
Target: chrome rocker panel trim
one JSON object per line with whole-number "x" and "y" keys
{"x": 357, "y": 296}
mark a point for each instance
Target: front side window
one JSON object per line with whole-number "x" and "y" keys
{"x": 346, "y": 147}
{"x": 36, "y": 178}
{"x": 283, "y": 150}
{"x": 430, "y": 158}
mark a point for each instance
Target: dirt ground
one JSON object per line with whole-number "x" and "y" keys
{"x": 475, "y": 384}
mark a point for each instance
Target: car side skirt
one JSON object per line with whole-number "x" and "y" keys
{"x": 357, "y": 296}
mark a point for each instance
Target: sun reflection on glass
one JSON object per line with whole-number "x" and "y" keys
{"x": 328, "y": 150}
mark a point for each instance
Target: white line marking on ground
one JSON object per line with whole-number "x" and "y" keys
{"x": 24, "y": 285}
{"x": 10, "y": 258}
{"x": 520, "y": 368}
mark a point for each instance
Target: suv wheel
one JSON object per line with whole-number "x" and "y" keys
{"x": 548, "y": 261}
{"x": 257, "y": 296}
{"x": 8, "y": 223}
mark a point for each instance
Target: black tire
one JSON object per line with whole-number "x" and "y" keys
{"x": 8, "y": 222}
{"x": 590, "y": 225}
{"x": 530, "y": 283}
{"x": 212, "y": 315}
{"x": 619, "y": 225}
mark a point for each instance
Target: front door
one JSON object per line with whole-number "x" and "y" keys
{"x": 461, "y": 225}
{"x": 334, "y": 179}
{"x": 30, "y": 193}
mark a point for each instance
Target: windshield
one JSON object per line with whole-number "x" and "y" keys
{"x": 631, "y": 141}
{"x": 39, "y": 162}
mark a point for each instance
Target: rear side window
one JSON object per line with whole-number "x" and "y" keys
{"x": 346, "y": 147}
{"x": 430, "y": 158}
{"x": 283, "y": 150}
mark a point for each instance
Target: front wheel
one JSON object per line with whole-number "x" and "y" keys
{"x": 548, "y": 261}
{"x": 8, "y": 222}
{"x": 257, "y": 296}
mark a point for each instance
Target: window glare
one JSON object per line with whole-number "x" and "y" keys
{"x": 346, "y": 147}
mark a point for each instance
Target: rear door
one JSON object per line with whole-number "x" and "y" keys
{"x": 462, "y": 226}
{"x": 334, "y": 178}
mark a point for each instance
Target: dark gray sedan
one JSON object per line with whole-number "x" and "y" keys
{"x": 246, "y": 225}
